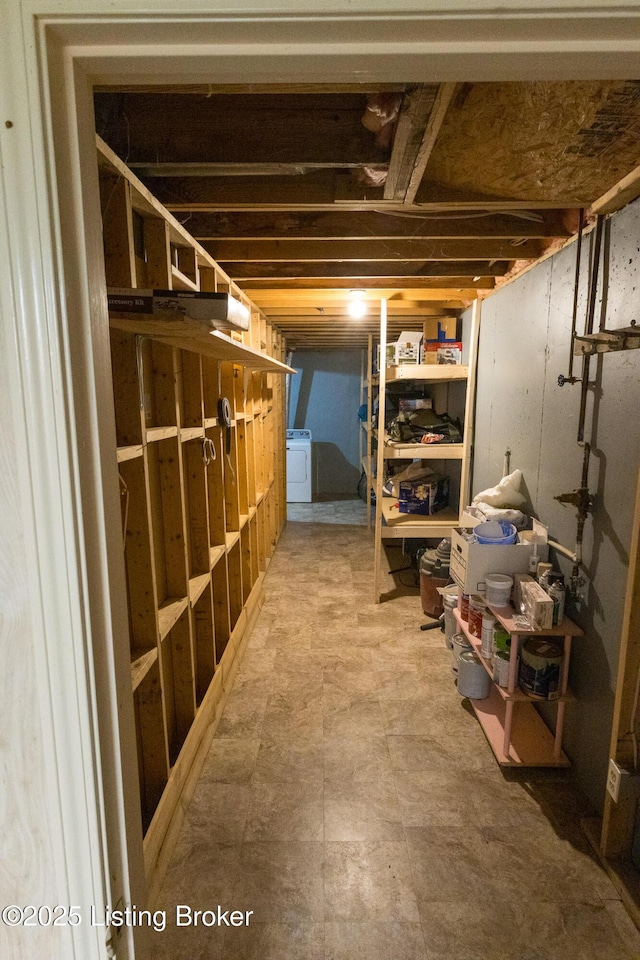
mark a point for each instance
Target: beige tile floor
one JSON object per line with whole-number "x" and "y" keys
{"x": 351, "y": 801}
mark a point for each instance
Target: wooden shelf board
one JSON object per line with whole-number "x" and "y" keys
{"x": 187, "y": 334}
{"x": 169, "y": 613}
{"x": 197, "y": 586}
{"x": 565, "y": 629}
{"x": 191, "y": 433}
{"x": 154, "y": 434}
{"x": 252, "y": 511}
{"x": 244, "y": 520}
{"x": 141, "y": 663}
{"x": 424, "y": 451}
{"x": 410, "y": 524}
{"x": 532, "y": 743}
{"x": 427, "y": 371}
{"x": 215, "y": 555}
{"x": 210, "y": 422}
{"x": 130, "y": 453}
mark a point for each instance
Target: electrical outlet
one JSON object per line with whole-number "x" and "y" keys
{"x": 621, "y": 783}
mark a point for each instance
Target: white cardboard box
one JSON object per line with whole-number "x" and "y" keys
{"x": 471, "y": 562}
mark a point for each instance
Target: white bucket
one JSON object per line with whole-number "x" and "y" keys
{"x": 498, "y": 589}
{"x": 473, "y": 680}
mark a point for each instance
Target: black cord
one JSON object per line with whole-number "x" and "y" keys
{"x": 224, "y": 416}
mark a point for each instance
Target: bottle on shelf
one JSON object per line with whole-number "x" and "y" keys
{"x": 544, "y": 569}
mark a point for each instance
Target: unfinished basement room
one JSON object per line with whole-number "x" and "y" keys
{"x": 365, "y": 360}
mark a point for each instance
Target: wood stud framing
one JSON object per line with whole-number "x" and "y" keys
{"x": 202, "y": 505}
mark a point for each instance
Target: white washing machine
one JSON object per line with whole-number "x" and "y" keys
{"x": 299, "y": 466}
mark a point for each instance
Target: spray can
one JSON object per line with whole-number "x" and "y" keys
{"x": 556, "y": 591}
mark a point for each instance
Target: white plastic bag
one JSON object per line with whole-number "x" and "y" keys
{"x": 504, "y": 494}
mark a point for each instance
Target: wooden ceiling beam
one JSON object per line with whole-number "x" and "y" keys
{"x": 360, "y": 273}
{"x": 324, "y": 200}
{"x": 415, "y": 111}
{"x": 358, "y": 251}
{"x": 619, "y": 195}
{"x": 308, "y": 310}
{"x": 444, "y": 97}
{"x": 342, "y": 225}
{"x": 415, "y": 294}
{"x": 253, "y": 169}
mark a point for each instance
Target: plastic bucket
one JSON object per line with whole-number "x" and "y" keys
{"x": 495, "y": 532}
{"x": 498, "y": 589}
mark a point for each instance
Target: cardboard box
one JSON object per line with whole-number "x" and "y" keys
{"x": 424, "y": 497}
{"x": 538, "y": 606}
{"x": 409, "y": 404}
{"x": 471, "y": 562}
{"x": 518, "y": 580}
{"x": 445, "y": 328}
{"x": 436, "y": 351}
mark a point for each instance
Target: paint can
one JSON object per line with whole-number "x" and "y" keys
{"x": 460, "y": 645}
{"x": 473, "y": 680}
{"x": 464, "y": 606}
{"x": 540, "y": 669}
{"x": 477, "y": 609}
{"x": 501, "y": 661}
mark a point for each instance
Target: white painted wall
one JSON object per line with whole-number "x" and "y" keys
{"x": 524, "y": 346}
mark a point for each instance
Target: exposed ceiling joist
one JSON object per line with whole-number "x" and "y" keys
{"x": 418, "y": 130}
{"x": 619, "y": 195}
{"x": 331, "y": 289}
{"x": 357, "y": 251}
{"x": 415, "y": 111}
{"x": 146, "y": 170}
{"x": 354, "y": 225}
{"x": 364, "y": 271}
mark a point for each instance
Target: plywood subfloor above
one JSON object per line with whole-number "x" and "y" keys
{"x": 539, "y": 140}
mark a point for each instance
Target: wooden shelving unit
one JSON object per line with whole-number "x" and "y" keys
{"x": 452, "y": 459}
{"x": 515, "y": 730}
{"x": 203, "y": 503}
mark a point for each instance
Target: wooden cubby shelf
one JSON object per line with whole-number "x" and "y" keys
{"x": 202, "y": 504}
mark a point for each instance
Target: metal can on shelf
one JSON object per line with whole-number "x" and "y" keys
{"x": 477, "y": 608}
{"x": 501, "y": 668}
{"x": 464, "y": 606}
{"x": 540, "y": 667}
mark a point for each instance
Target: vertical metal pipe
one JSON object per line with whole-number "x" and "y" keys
{"x": 576, "y": 289}
{"x": 588, "y": 327}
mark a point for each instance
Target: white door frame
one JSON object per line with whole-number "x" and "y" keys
{"x": 55, "y": 364}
